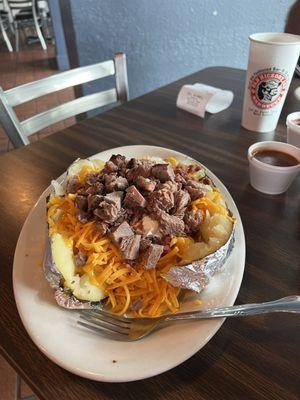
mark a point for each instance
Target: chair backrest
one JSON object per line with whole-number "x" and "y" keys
{"x": 19, "y": 4}
{"x": 18, "y": 131}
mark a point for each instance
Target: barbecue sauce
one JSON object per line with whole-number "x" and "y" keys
{"x": 276, "y": 158}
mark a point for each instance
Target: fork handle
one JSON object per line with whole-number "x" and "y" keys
{"x": 286, "y": 304}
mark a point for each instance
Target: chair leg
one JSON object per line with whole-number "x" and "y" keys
{"x": 5, "y": 37}
{"x": 18, "y": 395}
{"x": 17, "y": 38}
{"x": 37, "y": 26}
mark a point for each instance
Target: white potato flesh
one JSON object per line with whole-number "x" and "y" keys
{"x": 59, "y": 189}
{"x": 77, "y": 166}
{"x": 215, "y": 230}
{"x": 63, "y": 257}
{"x": 62, "y": 254}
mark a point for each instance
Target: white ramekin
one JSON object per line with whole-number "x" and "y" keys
{"x": 271, "y": 179}
{"x": 293, "y": 130}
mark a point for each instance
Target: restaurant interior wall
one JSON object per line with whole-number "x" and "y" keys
{"x": 166, "y": 40}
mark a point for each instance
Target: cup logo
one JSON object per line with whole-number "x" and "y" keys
{"x": 267, "y": 88}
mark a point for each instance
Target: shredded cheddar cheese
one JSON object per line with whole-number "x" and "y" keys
{"x": 123, "y": 284}
{"x": 109, "y": 271}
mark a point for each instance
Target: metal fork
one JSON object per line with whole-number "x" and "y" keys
{"x": 130, "y": 329}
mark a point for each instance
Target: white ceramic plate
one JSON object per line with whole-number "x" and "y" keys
{"x": 54, "y": 329}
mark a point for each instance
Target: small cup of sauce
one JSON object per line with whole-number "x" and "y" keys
{"x": 273, "y": 166}
{"x": 293, "y": 129}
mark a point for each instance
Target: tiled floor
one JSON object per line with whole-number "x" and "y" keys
{"x": 30, "y": 64}
{"x": 7, "y": 382}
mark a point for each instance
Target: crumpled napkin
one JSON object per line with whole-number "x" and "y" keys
{"x": 199, "y": 98}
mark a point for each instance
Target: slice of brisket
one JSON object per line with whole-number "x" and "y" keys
{"x": 73, "y": 185}
{"x": 118, "y": 160}
{"x": 95, "y": 188}
{"x": 152, "y": 255}
{"x": 170, "y": 185}
{"x": 116, "y": 197}
{"x": 80, "y": 259}
{"x": 194, "y": 188}
{"x": 192, "y": 221}
{"x": 138, "y": 168}
{"x": 134, "y": 198}
{"x": 169, "y": 224}
{"x": 109, "y": 207}
{"x": 145, "y": 184}
{"x": 81, "y": 202}
{"x": 129, "y": 246}
{"x": 121, "y": 231}
{"x": 182, "y": 200}
{"x": 113, "y": 182}
{"x": 163, "y": 172}
{"x": 162, "y": 199}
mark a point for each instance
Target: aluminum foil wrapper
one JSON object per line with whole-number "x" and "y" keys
{"x": 63, "y": 297}
{"x": 195, "y": 276}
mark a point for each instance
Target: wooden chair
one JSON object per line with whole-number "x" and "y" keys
{"x": 18, "y": 131}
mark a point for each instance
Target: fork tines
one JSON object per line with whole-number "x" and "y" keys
{"x": 105, "y": 324}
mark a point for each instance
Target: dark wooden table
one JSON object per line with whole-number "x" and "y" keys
{"x": 252, "y": 358}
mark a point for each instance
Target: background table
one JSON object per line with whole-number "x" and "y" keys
{"x": 252, "y": 358}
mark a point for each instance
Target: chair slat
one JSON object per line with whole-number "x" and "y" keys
{"x": 66, "y": 110}
{"x": 77, "y": 76}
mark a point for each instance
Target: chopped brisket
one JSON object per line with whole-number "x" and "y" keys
{"x": 169, "y": 224}
{"x": 179, "y": 179}
{"x": 81, "y": 202}
{"x": 134, "y": 198}
{"x": 206, "y": 181}
{"x": 91, "y": 178}
{"x": 96, "y": 188}
{"x": 101, "y": 227}
{"x": 145, "y": 243}
{"x": 120, "y": 232}
{"x": 107, "y": 207}
{"x": 109, "y": 167}
{"x": 180, "y": 213}
{"x": 118, "y": 160}
{"x": 80, "y": 259}
{"x": 162, "y": 199}
{"x": 149, "y": 226}
{"x": 93, "y": 201}
{"x": 115, "y": 197}
{"x": 194, "y": 188}
{"x": 113, "y": 183}
{"x": 107, "y": 211}
{"x": 132, "y": 163}
{"x": 193, "y": 168}
{"x": 141, "y": 168}
{"x": 182, "y": 200}
{"x": 163, "y": 172}
{"x": 192, "y": 221}
{"x": 152, "y": 255}
{"x": 73, "y": 185}
{"x": 140, "y": 204}
{"x": 129, "y": 246}
{"x": 145, "y": 184}
{"x": 170, "y": 185}
{"x": 82, "y": 217}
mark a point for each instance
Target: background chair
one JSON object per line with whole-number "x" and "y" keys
{"x": 5, "y": 25}
{"x": 18, "y": 131}
{"x": 25, "y": 14}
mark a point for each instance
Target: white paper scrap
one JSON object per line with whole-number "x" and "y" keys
{"x": 199, "y": 98}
